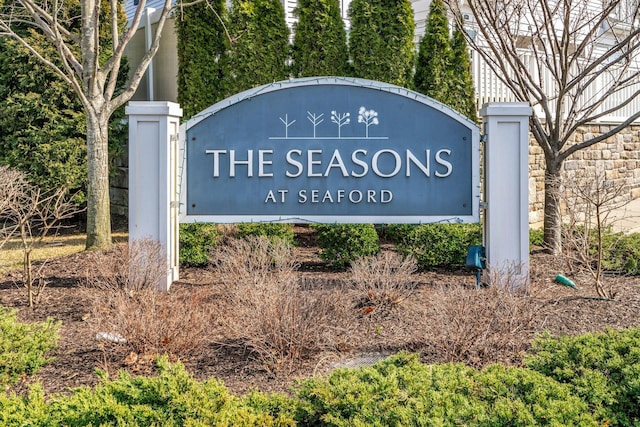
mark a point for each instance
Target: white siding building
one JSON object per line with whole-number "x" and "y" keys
{"x": 163, "y": 83}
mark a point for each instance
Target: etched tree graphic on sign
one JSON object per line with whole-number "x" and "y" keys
{"x": 315, "y": 120}
{"x": 340, "y": 120}
{"x": 287, "y": 123}
{"x": 368, "y": 117}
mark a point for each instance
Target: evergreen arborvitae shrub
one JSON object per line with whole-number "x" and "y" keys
{"x": 343, "y": 243}
{"x": 260, "y": 49}
{"x": 320, "y": 40}
{"x": 462, "y": 94}
{"x": 42, "y": 121}
{"x": 434, "y": 73}
{"x": 381, "y": 40}
{"x": 602, "y": 368}
{"x": 440, "y": 245}
{"x": 202, "y": 61}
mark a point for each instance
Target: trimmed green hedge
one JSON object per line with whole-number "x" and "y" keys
{"x": 343, "y": 243}
{"x": 195, "y": 242}
{"x": 439, "y": 245}
{"x": 267, "y": 229}
{"x": 622, "y": 253}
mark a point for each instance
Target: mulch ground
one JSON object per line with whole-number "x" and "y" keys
{"x": 561, "y": 310}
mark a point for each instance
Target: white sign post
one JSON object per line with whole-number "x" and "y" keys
{"x": 506, "y": 190}
{"x": 153, "y": 178}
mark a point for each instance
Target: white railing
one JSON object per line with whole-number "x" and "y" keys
{"x": 489, "y": 88}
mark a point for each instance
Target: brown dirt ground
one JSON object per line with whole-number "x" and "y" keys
{"x": 559, "y": 309}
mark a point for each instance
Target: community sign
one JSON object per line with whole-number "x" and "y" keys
{"x": 331, "y": 150}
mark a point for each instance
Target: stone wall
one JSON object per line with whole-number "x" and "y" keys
{"x": 618, "y": 158}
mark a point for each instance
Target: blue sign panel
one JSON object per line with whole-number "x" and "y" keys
{"x": 331, "y": 150}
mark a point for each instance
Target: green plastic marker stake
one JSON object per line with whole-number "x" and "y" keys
{"x": 565, "y": 281}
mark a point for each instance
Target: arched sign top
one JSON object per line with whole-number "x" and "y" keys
{"x": 333, "y": 81}
{"x": 330, "y": 149}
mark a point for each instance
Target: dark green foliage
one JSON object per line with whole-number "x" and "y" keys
{"x": 42, "y": 122}
{"x": 621, "y": 252}
{"x": 173, "y": 398}
{"x": 195, "y": 242}
{"x": 536, "y": 237}
{"x": 462, "y": 97}
{"x": 400, "y": 391}
{"x": 434, "y": 72}
{"x": 440, "y": 245}
{"x": 320, "y": 41}
{"x": 23, "y": 347}
{"x": 343, "y": 243}
{"x": 395, "y": 233}
{"x": 601, "y": 368}
{"x": 202, "y": 63}
{"x": 42, "y": 126}
{"x": 269, "y": 230}
{"x": 443, "y": 68}
{"x": 381, "y": 40}
{"x": 591, "y": 380}
{"x": 260, "y": 48}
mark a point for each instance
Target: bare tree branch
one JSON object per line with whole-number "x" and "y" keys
{"x": 575, "y": 61}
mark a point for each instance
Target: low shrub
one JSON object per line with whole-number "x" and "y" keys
{"x": 340, "y": 244}
{"x": 26, "y": 409}
{"x": 196, "y": 240}
{"x": 23, "y": 346}
{"x": 480, "y": 327}
{"x": 516, "y": 396}
{"x": 440, "y": 245}
{"x": 266, "y": 229}
{"x": 602, "y": 368}
{"x": 382, "y": 282}
{"x": 125, "y": 304}
{"x": 401, "y": 391}
{"x": 622, "y": 253}
{"x": 395, "y": 233}
{"x": 173, "y": 398}
{"x": 536, "y": 237}
{"x": 268, "y": 309}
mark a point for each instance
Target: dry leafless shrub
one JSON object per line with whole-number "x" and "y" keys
{"x": 133, "y": 267}
{"x": 479, "y": 326}
{"x": 270, "y": 312}
{"x": 127, "y": 307}
{"x": 510, "y": 277}
{"x": 30, "y": 214}
{"x": 591, "y": 201}
{"x": 383, "y": 282}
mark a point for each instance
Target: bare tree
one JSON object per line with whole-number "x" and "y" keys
{"x": 28, "y": 213}
{"x": 91, "y": 70}
{"x": 574, "y": 61}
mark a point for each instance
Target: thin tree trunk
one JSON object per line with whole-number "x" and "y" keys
{"x": 552, "y": 213}
{"x": 98, "y": 203}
